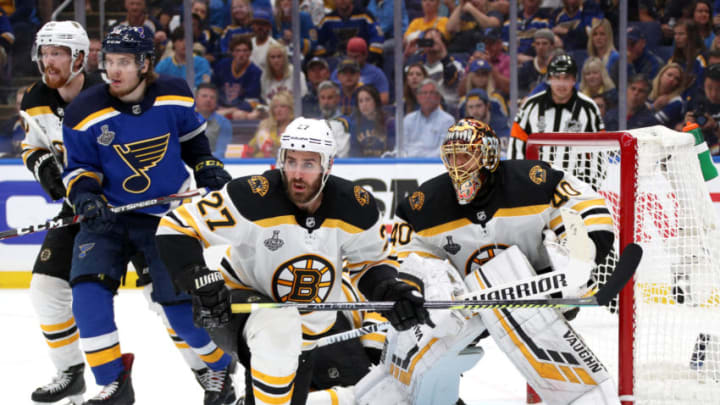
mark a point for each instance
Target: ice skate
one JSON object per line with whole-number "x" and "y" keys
{"x": 120, "y": 391}
{"x": 218, "y": 385}
{"x": 68, "y": 384}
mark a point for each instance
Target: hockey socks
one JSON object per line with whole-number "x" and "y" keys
{"x": 95, "y": 317}
{"x": 180, "y": 318}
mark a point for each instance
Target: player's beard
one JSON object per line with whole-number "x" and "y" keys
{"x": 118, "y": 93}
{"x": 304, "y": 197}
{"x": 56, "y": 82}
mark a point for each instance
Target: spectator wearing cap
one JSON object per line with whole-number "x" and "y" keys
{"x": 278, "y": 76}
{"x": 175, "y": 65}
{"x": 704, "y": 108}
{"x": 219, "y": 129}
{"x": 345, "y": 22}
{"x": 240, "y": 24}
{"x": 430, "y": 19}
{"x": 530, "y": 18}
{"x": 467, "y": 23}
{"x": 316, "y": 71}
{"x": 238, "y": 82}
{"x": 640, "y": 58}
{"x": 425, "y": 129}
{"x": 533, "y": 72}
{"x": 282, "y": 27}
{"x": 479, "y": 76}
{"x": 261, "y": 41}
{"x": 572, "y": 22}
{"x": 348, "y": 72}
{"x": 478, "y": 105}
{"x": 638, "y": 113}
{"x": 440, "y": 66}
{"x": 499, "y": 60}
{"x": 369, "y": 74}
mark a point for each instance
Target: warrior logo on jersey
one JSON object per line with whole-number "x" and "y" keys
{"x": 451, "y": 247}
{"x": 140, "y": 157}
{"x": 274, "y": 243}
{"x": 106, "y": 136}
{"x": 362, "y": 196}
{"x": 416, "y": 200}
{"x": 306, "y": 278}
{"x": 483, "y": 255}
{"x": 259, "y": 185}
{"x": 538, "y": 175}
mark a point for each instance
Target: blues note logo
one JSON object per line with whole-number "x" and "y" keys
{"x": 140, "y": 157}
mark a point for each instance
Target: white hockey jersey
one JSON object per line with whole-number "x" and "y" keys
{"x": 283, "y": 252}
{"x": 525, "y": 200}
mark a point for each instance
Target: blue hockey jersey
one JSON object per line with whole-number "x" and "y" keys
{"x": 131, "y": 152}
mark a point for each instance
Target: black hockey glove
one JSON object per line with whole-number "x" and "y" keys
{"x": 47, "y": 173}
{"x": 210, "y": 298}
{"x": 98, "y": 216}
{"x": 408, "y": 310}
{"x": 210, "y": 173}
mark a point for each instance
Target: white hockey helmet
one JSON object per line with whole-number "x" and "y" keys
{"x": 69, "y": 34}
{"x": 308, "y": 135}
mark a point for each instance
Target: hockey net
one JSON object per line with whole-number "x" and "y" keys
{"x": 661, "y": 339}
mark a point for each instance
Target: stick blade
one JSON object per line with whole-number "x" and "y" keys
{"x": 625, "y": 269}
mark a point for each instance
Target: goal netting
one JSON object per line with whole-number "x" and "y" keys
{"x": 661, "y": 339}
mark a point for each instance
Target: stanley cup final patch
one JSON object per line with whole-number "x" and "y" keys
{"x": 106, "y": 136}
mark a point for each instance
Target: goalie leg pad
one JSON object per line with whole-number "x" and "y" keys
{"x": 52, "y": 301}
{"x": 541, "y": 344}
{"x": 274, "y": 338}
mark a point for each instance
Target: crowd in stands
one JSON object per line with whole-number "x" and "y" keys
{"x": 455, "y": 63}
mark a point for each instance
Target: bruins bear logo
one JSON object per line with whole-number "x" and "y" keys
{"x": 306, "y": 278}
{"x": 259, "y": 185}
{"x": 362, "y": 196}
{"x": 416, "y": 200}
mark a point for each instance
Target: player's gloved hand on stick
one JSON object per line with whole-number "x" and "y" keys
{"x": 211, "y": 173}
{"x": 408, "y": 310}
{"x": 210, "y": 298}
{"x": 48, "y": 174}
{"x": 98, "y": 216}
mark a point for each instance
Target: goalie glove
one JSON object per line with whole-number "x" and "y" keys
{"x": 409, "y": 309}
{"x": 210, "y": 298}
{"x": 211, "y": 173}
{"x": 48, "y": 174}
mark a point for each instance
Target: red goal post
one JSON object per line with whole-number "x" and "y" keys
{"x": 652, "y": 183}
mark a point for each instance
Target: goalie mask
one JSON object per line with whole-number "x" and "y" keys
{"x": 470, "y": 152}
{"x": 309, "y": 135}
{"x": 68, "y": 34}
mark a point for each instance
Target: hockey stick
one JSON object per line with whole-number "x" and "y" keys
{"x": 624, "y": 270}
{"x": 66, "y": 221}
{"x": 31, "y": 123}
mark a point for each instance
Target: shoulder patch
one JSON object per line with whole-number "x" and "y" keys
{"x": 361, "y": 195}
{"x": 259, "y": 185}
{"x": 538, "y": 175}
{"x": 416, "y": 200}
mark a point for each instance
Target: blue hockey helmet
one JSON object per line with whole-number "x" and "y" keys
{"x": 138, "y": 41}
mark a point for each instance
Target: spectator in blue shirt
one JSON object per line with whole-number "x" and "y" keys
{"x": 218, "y": 130}
{"x": 372, "y": 131}
{"x": 477, "y": 105}
{"x": 665, "y": 97}
{"x": 640, "y": 59}
{"x": 425, "y": 129}
{"x": 369, "y": 74}
{"x": 316, "y": 72}
{"x": 529, "y": 19}
{"x": 175, "y": 65}
{"x": 573, "y": 21}
{"x": 384, "y": 13}
{"x": 638, "y": 113}
{"x": 282, "y": 27}
{"x": 238, "y": 82}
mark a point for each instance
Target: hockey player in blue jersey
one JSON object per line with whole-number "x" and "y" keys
{"x": 128, "y": 141}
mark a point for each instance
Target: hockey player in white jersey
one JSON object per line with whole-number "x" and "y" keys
{"x": 60, "y": 52}
{"x": 289, "y": 231}
{"x": 488, "y": 219}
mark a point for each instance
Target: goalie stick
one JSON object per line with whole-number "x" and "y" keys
{"x": 66, "y": 221}
{"x": 628, "y": 263}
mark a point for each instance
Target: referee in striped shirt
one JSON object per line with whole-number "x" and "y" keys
{"x": 560, "y": 108}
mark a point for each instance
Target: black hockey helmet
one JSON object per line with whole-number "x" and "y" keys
{"x": 125, "y": 39}
{"x": 562, "y": 63}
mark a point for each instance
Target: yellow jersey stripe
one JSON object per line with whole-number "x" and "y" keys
{"x": 212, "y": 357}
{"x": 604, "y": 220}
{"x": 185, "y": 215}
{"x": 580, "y": 207}
{"x": 446, "y": 227}
{"x": 175, "y": 98}
{"x": 58, "y": 326}
{"x": 402, "y": 255}
{"x": 169, "y": 224}
{"x": 92, "y": 117}
{"x": 103, "y": 356}
{"x": 267, "y": 399}
{"x": 44, "y": 109}
{"x": 521, "y": 211}
{"x": 275, "y": 221}
{"x": 273, "y": 380}
{"x": 92, "y": 175}
{"x": 60, "y": 343}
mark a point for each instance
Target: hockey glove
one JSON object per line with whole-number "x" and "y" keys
{"x": 210, "y": 298}
{"x": 210, "y": 173}
{"x": 408, "y": 310}
{"x": 98, "y": 216}
{"x": 47, "y": 173}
